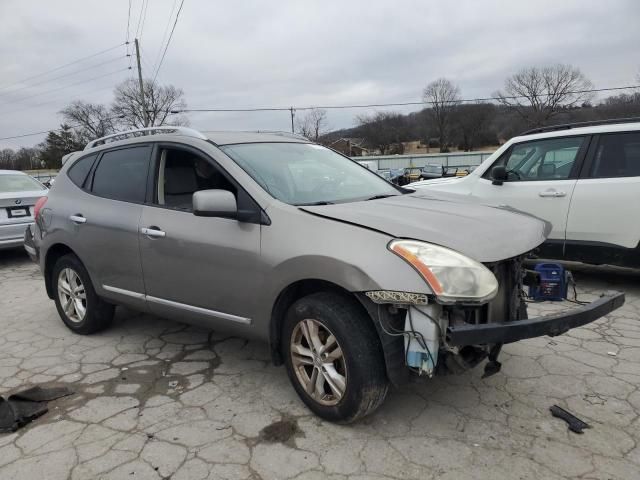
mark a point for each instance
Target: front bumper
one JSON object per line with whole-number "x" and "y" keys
{"x": 552, "y": 325}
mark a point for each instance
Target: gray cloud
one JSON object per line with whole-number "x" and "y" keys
{"x": 258, "y": 53}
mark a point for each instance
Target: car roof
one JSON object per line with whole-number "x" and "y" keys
{"x": 587, "y": 130}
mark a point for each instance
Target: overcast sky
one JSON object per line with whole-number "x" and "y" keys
{"x": 242, "y": 53}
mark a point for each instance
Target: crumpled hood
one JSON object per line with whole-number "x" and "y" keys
{"x": 486, "y": 234}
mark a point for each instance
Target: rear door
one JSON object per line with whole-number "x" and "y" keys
{"x": 542, "y": 175}
{"x": 606, "y": 202}
{"x": 104, "y": 220}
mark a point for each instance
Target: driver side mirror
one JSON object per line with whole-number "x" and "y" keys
{"x": 499, "y": 175}
{"x": 215, "y": 203}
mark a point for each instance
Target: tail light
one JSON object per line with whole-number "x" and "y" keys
{"x": 38, "y": 206}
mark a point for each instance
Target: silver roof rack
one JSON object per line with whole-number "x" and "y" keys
{"x": 139, "y": 132}
{"x": 281, "y": 133}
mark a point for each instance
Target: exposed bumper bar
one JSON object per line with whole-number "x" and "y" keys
{"x": 552, "y": 325}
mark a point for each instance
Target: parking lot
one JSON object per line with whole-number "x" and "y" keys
{"x": 157, "y": 399}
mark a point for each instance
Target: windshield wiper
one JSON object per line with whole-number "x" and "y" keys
{"x": 387, "y": 195}
{"x": 313, "y": 204}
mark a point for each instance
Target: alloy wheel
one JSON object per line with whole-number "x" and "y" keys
{"x": 72, "y": 294}
{"x": 318, "y": 362}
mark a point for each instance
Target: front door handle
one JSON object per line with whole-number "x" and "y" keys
{"x": 77, "y": 218}
{"x": 153, "y": 232}
{"x": 552, "y": 193}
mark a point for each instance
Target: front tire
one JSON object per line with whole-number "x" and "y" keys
{"x": 334, "y": 357}
{"x": 79, "y": 307}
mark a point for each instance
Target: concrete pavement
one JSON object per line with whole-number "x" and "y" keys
{"x": 157, "y": 399}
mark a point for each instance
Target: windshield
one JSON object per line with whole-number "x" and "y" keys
{"x": 18, "y": 183}
{"x": 307, "y": 174}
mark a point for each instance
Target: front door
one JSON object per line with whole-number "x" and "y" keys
{"x": 197, "y": 269}
{"x": 541, "y": 180}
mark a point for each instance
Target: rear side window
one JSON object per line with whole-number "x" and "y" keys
{"x": 122, "y": 174}
{"x": 80, "y": 169}
{"x": 617, "y": 155}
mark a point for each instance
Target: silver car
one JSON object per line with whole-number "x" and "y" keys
{"x": 18, "y": 195}
{"x": 356, "y": 284}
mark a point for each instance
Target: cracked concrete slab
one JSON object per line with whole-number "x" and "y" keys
{"x": 156, "y": 399}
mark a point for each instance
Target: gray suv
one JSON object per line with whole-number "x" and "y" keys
{"x": 355, "y": 283}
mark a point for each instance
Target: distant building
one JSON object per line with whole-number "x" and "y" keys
{"x": 351, "y": 147}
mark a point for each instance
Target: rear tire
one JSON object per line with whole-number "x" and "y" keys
{"x": 79, "y": 307}
{"x": 334, "y": 357}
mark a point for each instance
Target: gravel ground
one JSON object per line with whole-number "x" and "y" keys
{"x": 157, "y": 399}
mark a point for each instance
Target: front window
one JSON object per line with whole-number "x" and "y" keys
{"x": 549, "y": 159}
{"x": 13, "y": 183}
{"x": 308, "y": 174}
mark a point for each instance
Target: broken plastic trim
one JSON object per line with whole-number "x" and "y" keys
{"x": 398, "y": 298}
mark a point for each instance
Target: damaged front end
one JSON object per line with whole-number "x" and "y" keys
{"x": 422, "y": 335}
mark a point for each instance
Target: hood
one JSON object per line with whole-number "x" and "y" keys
{"x": 486, "y": 234}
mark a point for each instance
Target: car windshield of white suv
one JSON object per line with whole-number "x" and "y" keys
{"x": 308, "y": 174}
{"x": 12, "y": 183}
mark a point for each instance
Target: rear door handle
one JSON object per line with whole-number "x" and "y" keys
{"x": 552, "y": 193}
{"x": 77, "y": 218}
{"x": 153, "y": 232}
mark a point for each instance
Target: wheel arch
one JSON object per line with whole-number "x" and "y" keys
{"x": 393, "y": 347}
{"x": 54, "y": 252}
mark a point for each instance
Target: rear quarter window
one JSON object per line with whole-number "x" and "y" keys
{"x": 79, "y": 170}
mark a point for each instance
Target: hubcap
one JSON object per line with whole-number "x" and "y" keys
{"x": 73, "y": 297}
{"x": 318, "y": 361}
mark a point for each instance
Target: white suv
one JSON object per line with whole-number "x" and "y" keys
{"x": 582, "y": 178}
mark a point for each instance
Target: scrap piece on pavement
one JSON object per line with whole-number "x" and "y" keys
{"x": 575, "y": 424}
{"x": 27, "y": 405}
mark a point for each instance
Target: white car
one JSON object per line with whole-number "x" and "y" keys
{"x": 582, "y": 178}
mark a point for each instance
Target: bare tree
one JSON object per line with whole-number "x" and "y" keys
{"x": 159, "y": 102}
{"x": 384, "y": 130}
{"x": 313, "y": 124}
{"x": 93, "y": 120}
{"x": 473, "y": 124}
{"x": 539, "y": 93}
{"x": 441, "y": 97}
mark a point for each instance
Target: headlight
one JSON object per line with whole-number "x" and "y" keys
{"x": 451, "y": 276}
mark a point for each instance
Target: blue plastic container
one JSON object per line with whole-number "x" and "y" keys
{"x": 554, "y": 283}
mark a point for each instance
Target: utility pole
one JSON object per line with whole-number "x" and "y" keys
{"x": 145, "y": 114}
{"x": 293, "y": 114}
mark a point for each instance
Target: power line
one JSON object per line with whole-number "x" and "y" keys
{"x": 629, "y": 87}
{"x": 144, "y": 18}
{"x": 63, "y": 66}
{"x": 168, "y": 43}
{"x": 52, "y": 130}
{"x": 66, "y": 99}
{"x": 144, "y": 2}
{"x": 164, "y": 34}
{"x": 128, "y": 27}
{"x": 67, "y": 86}
{"x": 400, "y": 104}
{"x": 92, "y": 67}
